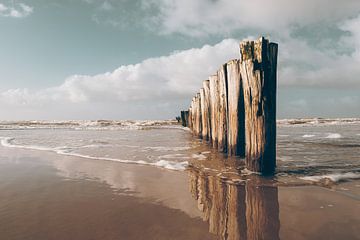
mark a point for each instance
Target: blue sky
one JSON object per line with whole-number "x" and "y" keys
{"x": 145, "y": 59}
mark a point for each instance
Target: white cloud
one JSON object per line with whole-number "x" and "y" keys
{"x": 165, "y": 84}
{"x": 18, "y": 10}
{"x": 107, "y": 6}
{"x": 203, "y": 17}
{"x": 157, "y": 83}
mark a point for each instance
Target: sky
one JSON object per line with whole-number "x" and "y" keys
{"x": 145, "y": 59}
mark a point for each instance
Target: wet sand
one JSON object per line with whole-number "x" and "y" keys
{"x": 49, "y": 196}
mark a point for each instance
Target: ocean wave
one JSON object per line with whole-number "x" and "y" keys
{"x": 308, "y": 136}
{"x": 333, "y": 135}
{"x": 8, "y": 142}
{"x": 166, "y": 149}
{"x": 89, "y": 124}
{"x": 146, "y": 124}
{"x": 317, "y": 121}
{"x": 336, "y": 177}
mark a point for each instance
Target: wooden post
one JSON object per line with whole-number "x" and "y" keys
{"x": 258, "y": 71}
{"x": 205, "y": 110}
{"x": 190, "y": 118}
{"x": 193, "y": 115}
{"x": 222, "y": 109}
{"x": 236, "y": 111}
{"x": 214, "y": 112}
{"x": 184, "y": 115}
{"x": 198, "y": 131}
{"x": 204, "y": 128}
{"x": 206, "y": 86}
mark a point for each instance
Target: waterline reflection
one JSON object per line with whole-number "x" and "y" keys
{"x": 249, "y": 210}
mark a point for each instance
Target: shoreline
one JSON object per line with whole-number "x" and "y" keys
{"x": 68, "y": 195}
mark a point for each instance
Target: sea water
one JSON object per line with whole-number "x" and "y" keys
{"x": 307, "y": 149}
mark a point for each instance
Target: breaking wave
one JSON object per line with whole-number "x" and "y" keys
{"x": 64, "y": 150}
{"x": 336, "y": 177}
{"x": 89, "y": 124}
{"x": 146, "y": 124}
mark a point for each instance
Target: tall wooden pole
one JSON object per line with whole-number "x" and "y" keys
{"x": 214, "y": 109}
{"x": 198, "y": 131}
{"x": 222, "y": 110}
{"x": 258, "y": 65}
{"x": 236, "y": 111}
{"x": 205, "y": 108}
{"x": 204, "y": 116}
{"x": 190, "y": 118}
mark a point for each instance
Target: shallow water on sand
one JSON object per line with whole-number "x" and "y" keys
{"x": 310, "y": 152}
{"x": 115, "y": 183}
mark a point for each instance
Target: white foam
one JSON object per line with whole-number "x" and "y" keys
{"x": 317, "y": 121}
{"x": 308, "y": 136}
{"x": 199, "y": 156}
{"x": 175, "y": 156}
{"x": 336, "y": 177}
{"x": 333, "y": 136}
{"x": 166, "y": 149}
{"x": 171, "y": 165}
{"x": 89, "y": 124}
{"x": 7, "y": 142}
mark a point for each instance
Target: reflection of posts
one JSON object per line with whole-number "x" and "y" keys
{"x": 217, "y": 218}
{"x": 262, "y": 212}
{"x": 236, "y": 224}
{"x": 248, "y": 211}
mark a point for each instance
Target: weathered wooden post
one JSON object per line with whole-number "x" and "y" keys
{"x": 192, "y": 114}
{"x": 236, "y": 111}
{"x": 206, "y": 86}
{"x": 258, "y": 63}
{"x": 205, "y": 110}
{"x": 204, "y": 129}
{"x": 186, "y": 116}
{"x": 222, "y": 110}
{"x": 198, "y": 131}
{"x": 190, "y": 118}
{"x": 183, "y": 116}
{"x": 214, "y": 106}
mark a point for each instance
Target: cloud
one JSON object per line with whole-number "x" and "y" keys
{"x": 107, "y": 6}
{"x": 204, "y": 17}
{"x": 319, "y": 48}
{"x": 163, "y": 85}
{"x": 155, "y": 84}
{"x": 18, "y": 10}
{"x": 319, "y": 40}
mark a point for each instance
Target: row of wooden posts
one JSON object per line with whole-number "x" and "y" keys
{"x": 235, "y": 109}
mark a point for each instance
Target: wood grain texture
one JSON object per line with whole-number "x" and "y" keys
{"x": 214, "y": 106}
{"x": 206, "y": 111}
{"x": 222, "y": 109}
{"x": 198, "y": 125}
{"x": 258, "y": 65}
{"x": 236, "y": 110}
